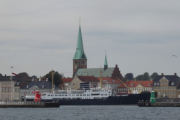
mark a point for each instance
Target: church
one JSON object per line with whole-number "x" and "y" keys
{"x": 80, "y": 63}
{"x": 92, "y": 76}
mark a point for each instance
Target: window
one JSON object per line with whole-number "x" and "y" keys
{"x": 157, "y": 83}
{"x": 154, "y": 83}
{"x": 172, "y": 83}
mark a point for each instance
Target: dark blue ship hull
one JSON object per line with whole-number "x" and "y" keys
{"x": 112, "y": 100}
{"x": 132, "y": 99}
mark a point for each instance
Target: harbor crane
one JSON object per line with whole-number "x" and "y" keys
{"x": 129, "y": 91}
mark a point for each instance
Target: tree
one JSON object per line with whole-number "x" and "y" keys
{"x": 139, "y": 77}
{"x": 129, "y": 76}
{"x": 57, "y": 78}
{"x": 124, "y": 79}
{"x": 145, "y": 76}
{"x": 154, "y": 75}
{"x": 23, "y": 74}
{"x": 24, "y": 80}
{"x": 34, "y": 77}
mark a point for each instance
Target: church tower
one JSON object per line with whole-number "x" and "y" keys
{"x": 79, "y": 59}
{"x": 105, "y": 63}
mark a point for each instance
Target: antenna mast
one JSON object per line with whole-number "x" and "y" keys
{"x": 100, "y": 78}
{"x": 52, "y": 80}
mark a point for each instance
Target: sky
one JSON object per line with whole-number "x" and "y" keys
{"x": 37, "y": 36}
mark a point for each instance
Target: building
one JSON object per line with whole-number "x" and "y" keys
{"x": 167, "y": 85}
{"x": 135, "y": 87}
{"x": 80, "y": 63}
{"x": 79, "y": 59}
{"x": 108, "y": 82}
{"x": 67, "y": 81}
{"x": 123, "y": 88}
{"x": 10, "y": 88}
{"x": 77, "y": 80}
{"x": 41, "y": 86}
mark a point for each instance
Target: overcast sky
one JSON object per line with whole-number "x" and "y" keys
{"x": 139, "y": 36}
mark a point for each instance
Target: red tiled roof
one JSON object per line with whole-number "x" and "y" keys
{"x": 66, "y": 80}
{"x": 109, "y": 80}
{"x": 143, "y": 83}
{"x": 127, "y": 83}
{"x": 88, "y": 78}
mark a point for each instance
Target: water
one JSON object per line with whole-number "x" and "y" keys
{"x": 91, "y": 113}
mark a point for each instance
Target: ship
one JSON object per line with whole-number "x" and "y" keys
{"x": 93, "y": 96}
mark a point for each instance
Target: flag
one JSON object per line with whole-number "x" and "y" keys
{"x": 15, "y": 74}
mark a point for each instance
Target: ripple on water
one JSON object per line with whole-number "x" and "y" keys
{"x": 91, "y": 113}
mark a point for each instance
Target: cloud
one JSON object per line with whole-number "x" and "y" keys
{"x": 139, "y": 36}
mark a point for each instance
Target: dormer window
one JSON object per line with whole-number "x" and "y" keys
{"x": 154, "y": 83}
{"x": 149, "y": 84}
{"x": 132, "y": 84}
{"x": 27, "y": 86}
{"x": 172, "y": 83}
{"x": 17, "y": 83}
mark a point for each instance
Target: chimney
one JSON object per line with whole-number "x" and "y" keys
{"x": 162, "y": 74}
{"x": 175, "y": 74}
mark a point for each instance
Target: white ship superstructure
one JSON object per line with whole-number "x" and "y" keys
{"x": 93, "y": 93}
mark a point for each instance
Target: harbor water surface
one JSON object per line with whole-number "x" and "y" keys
{"x": 91, "y": 113}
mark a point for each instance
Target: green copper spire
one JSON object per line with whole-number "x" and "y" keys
{"x": 80, "y": 54}
{"x": 105, "y": 63}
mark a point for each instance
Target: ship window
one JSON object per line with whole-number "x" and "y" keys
{"x": 172, "y": 83}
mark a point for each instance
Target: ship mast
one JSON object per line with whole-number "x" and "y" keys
{"x": 100, "y": 78}
{"x": 52, "y": 81}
